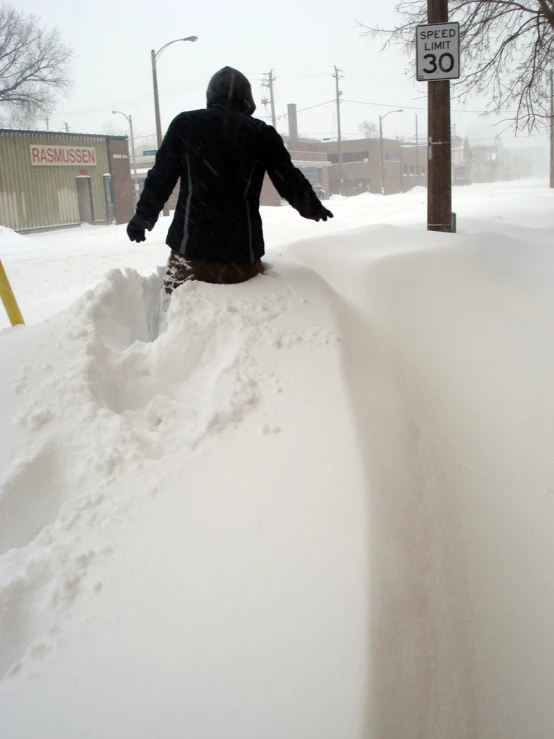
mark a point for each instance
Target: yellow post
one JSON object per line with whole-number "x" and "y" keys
{"x": 8, "y": 298}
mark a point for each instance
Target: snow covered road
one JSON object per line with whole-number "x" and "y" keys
{"x": 318, "y": 505}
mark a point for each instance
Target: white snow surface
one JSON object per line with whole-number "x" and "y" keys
{"x": 318, "y": 505}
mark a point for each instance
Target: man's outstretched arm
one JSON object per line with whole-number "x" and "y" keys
{"x": 289, "y": 181}
{"x": 158, "y": 186}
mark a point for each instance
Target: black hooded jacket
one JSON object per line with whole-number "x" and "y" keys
{"x": 221, "y": 155}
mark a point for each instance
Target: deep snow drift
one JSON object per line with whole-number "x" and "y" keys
{"x": 318, "y": 504}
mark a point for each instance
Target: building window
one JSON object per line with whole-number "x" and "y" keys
{"x": 349, "y": 156}
{"x": 312, "y": 174}
{"x": 355, "y": 156}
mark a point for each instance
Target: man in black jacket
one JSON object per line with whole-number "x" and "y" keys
{"x": 221, "y": 155}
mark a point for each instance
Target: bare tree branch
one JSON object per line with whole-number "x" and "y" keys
{"x": 506, "y": 46}
{"x": 369, "y": 128}
{"x": 547, "y": 7}
{"x": 34, "y": 67}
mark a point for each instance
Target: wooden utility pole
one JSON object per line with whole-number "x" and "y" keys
{"x": 439, "y": 181}
{"x": 339, "y": 135}
{"x": 551, "y": 129}
{"x": 271, "y": 101}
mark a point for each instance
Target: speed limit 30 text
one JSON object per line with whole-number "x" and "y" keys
{"x": 431, "y": 38}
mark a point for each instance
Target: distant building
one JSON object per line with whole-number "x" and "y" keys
{"x": 54, "y": 180}
{"x": 461, "y": 161}
{"x": 306, "y": 154}
{"x": 493, "y": 162}
{"x": 489, "y": 162}
{"x": 405, "y": 166}
{"x": 527, "y": 162}
{"x": 414, "y": 166}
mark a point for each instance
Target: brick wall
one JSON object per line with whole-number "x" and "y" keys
{"x": 302, "y": 145}
{"x": 122, "y": 188}
{"x": 302, "y": 151}
{"x": 410, "y": 176}
{"x": 365, "y": 176}
{"x": 305, "y": 155}
{"x": 269, "y": 195}
{"x": 325, "y": 181}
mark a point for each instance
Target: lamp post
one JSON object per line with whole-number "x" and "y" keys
{"x": 155, "y": 56}
{"x": 381, "y": 119}
{"x": 135, "y": 181}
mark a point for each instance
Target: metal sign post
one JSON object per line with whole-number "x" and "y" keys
{"x": 437, "y": 62}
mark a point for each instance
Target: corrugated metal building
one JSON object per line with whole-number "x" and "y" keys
{"x": 54, "y": 180}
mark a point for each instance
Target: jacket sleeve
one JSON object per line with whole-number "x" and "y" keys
{"x": 289, "y": 181}
{"x": 161, "y": 179}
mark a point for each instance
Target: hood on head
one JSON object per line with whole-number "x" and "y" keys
{"x": 229, "y": 88}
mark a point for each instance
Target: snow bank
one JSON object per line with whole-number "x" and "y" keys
{"x": 455, "y": 419}
{"x": 10, "y": 240}
{"x": 188, "y": 446}
{"x": 318, "y": 504}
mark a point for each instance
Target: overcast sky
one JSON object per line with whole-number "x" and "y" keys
{"x": 300, "y": 40}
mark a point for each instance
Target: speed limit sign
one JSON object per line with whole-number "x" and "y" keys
{"x": 438, "y": 52}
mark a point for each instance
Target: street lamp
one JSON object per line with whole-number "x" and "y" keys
{"x": 155, "y": 56}
{"x": 381, "y": 119}
{"x": 135, "y": 181}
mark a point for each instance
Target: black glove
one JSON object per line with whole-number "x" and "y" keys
{"x": 322, "y": 214}
{"x": 135, "y": 232}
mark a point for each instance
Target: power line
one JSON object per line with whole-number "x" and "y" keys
{"x": 142, "y": 99}
{"x": 419, "y": 107}
{"x": 311, "y": 107}
{"x": 295, "y": 69}
{"x": 385, "y": 105}
{"x": 315, "y": 106}
{"x": 521, "y": 138}
{"x": 302, "y": 76}
{"x": 255, "y": 77}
